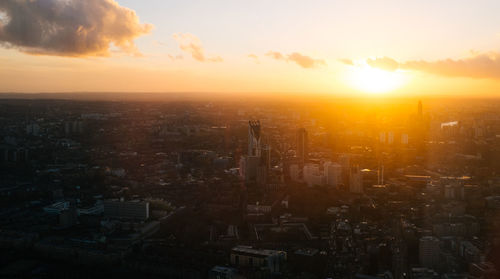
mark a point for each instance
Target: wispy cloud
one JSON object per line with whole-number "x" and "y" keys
{"x": 276, "y": 55}
{"x": 346, "y": 61}
{"x": 384, "y": 63}
{"x": 478, "y": 65}
{"x": 189, "y": 43}
{"x": 300, "y": 59}
{"x": 175, "y": 57}
{"x": 306, "y": 61}
{"x": 69, "y": 27}
{"x": 485, "y": 65}
{"x": 254, "y": 57}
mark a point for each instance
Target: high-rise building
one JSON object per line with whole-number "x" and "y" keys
{"x": 312, "y": 175}
{"x": 294, "y": 172}
{"x": 302, "y": 145}
{"x": 333, "y": 172}
{"x": 420, "y": 112}
{"x": 428, "y": 251}
{"x": 356, "y": 180}
{"x": 255, "y": 166}
{"x": 254, "y": 148}
{"x": 265, "y": 156}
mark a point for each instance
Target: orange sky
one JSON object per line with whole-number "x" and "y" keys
{"x": 387, "y": 48}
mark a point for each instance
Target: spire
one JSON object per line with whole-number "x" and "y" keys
{"x": 420, "y": 108}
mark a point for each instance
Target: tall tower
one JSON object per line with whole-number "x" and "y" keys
{"x": 420, "y": 131}
{"x": 356, "y": 180}
{"x": 419, "y": 109}
{"x": 302, "y": 143}
{"x": 254, "y": 148}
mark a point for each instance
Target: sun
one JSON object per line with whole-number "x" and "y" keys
{"x": 372, "y": 80}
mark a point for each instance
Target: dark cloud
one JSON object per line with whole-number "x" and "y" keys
{"x": 69, "y": 27}
{"x": 191, "y": 44}
{"x": 301, "y": 60}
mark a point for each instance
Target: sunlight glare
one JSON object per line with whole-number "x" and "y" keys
{"x": 373, "y": 80}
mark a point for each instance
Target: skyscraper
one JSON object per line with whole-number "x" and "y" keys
{"x": 420, "y": 109}
{"x": 356, "y": 180}
{"x": 302, "y": 145}
{"x": 254, "y": 147}
{"x": 255, "y": 166}
{"x": 333, "y": 173}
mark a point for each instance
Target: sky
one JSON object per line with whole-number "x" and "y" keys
{"x": 446, "y": 47}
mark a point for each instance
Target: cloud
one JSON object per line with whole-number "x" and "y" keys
{"x": 306, "y": 61}
{"x": 189, "y": 43}
{"x": 215, "y": 59}
{"x": 69, "y": 27}
{"x": 478, "y": 65}
{"x": 254, "y": 57}
{"x": 347, "y": 61}
{"x": 175, "y": 57}
{"x": 301, "y": 60}
{"x": 384, "y": 63}
{"x": 485, "y": 65}
{"x": 275, "y": 55}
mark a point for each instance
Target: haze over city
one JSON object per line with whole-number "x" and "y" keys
{"x": 250, "y": 139}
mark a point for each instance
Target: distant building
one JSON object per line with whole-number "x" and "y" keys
{"x": 356, "y": 180}
{"x": 96, "y": 209}
{"x": 333, "y": 173}
{"x": 57, "y": 208}
{"x": 429, "y": 251}
{"x": 295, "y": 172}
{"x": 135, "y": 210}
{"x": 222, "y": 272}
{"x": 245, "y": 256}
{"x": 255, "y": 166}
{"x": 249, "y": 167}
{"x": 423, "y": 273}
{"x": 254, "y": 139}
{"x": 302, "y": 145}
{"x": 420, "y": 111}
{"x": 404, "y": 139}
{"x": 73, "y": 127}
{"x": 68, "y": 217}
{"x": 33, "y": 129}
{"x": 312, "y": 175}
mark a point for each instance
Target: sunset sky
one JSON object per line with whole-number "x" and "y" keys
{"x": 329, "y": 47}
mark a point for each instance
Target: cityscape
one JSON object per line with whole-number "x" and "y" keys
{"x": 258, "y": 190}
{"x": 250, "y": 139}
